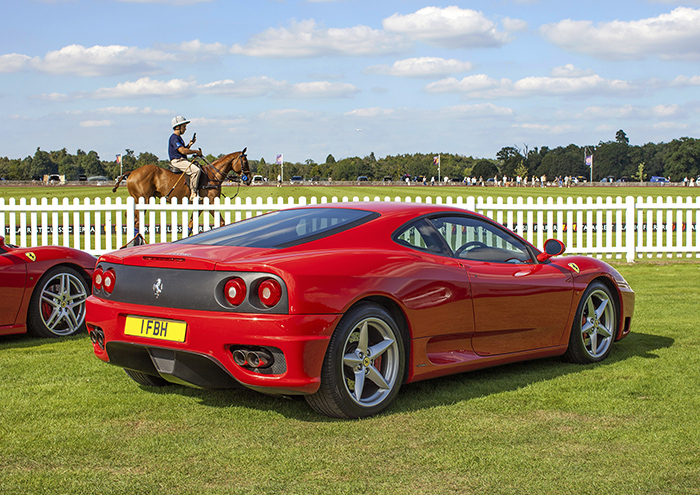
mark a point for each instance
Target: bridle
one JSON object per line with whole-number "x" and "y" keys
{"x": 219, "y": 177}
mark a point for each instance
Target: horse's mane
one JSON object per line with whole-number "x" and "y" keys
{"x": 225, "y": 158}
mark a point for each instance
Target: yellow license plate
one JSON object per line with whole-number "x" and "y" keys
{"x": 154, "y": 328}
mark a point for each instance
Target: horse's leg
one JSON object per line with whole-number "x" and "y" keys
{"x": 221, "y": 219}
{"x": 189, "y": 227}
{"x": 212, "y": 195}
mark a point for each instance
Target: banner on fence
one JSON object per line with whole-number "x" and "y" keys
{"x": 655, "y": 227}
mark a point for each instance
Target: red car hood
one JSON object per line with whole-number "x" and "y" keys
{"x": 186, "y": 256}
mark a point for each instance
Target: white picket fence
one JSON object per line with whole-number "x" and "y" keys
{"x": 622, "y": 228}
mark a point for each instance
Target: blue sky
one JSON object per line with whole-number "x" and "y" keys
{"x": 347, "y": 77}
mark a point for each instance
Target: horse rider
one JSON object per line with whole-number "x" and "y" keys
{"x": 177, "y": 151}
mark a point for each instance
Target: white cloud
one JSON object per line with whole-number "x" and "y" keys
{"x": 514, "y": 25}
{"x": 370, "y": 112}
{"x": 54, "y": 97}
{"x": 684, "y": 81}
{"x": 96, "y": 123}
{"x": 266, "y": 86}
{"x": 569, "y": 70}
{"x": 480, "y": 110}
{"x": 93, "y": 61}
{"x": 289, "y": 115}
{"x": 469, "y": 84}
{"x": 670, "y": 126}
{"x": 421, "y": 67}
{"x": 132, "y": 111}
{"x": 322, "y": 89}
{"x": 450, "y": 27}
{"x": 307, "y": 39}
{"x": 669, "y": 36}
{"x": 546, "y": 128}
{"x": 14, "y": 62}
{"x": 251, "y": 87}
{"x": 167, "y": 2}
{"x": 147, "y": 87}
{"x": 567, "y": 81}
{"x": 632, "y": 112}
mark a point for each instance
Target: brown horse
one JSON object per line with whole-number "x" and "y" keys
{"x": 153, "y": 181}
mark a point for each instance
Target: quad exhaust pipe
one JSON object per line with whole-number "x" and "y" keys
{"x": 252, "y": 358}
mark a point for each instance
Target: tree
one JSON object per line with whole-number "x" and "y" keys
{"x": 684, "y": 160}
{"x": 484, "y": 169}
{"x": 41, "y": 164}
{"x": 510, "y": 158}
{"x": 90, "y": 164}
{"x": 146, "y": 158}
{"x": 612, "y": 159}
{"x": 621, "y": 137}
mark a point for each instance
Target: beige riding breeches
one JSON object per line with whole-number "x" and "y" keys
{"x": 191, "y": 170}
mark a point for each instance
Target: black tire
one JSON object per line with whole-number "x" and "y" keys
{"x": 57, "y": 306}
{"x": 366, "y": 348}
{"x": 147, "y": 380}
{"x": 595, "y": 326}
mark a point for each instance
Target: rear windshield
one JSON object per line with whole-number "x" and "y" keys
{"x": 283, "y": 228}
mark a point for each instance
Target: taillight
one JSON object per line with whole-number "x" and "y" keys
{"x": 97, "y": 277}
{"x": 235, "y": 291}
{"x": 270, "y": 292}
{"x": 109, "y": 278}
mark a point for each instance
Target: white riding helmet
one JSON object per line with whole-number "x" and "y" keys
{"x": 179, "y": 120}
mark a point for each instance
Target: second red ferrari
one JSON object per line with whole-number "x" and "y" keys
{"x": 43, "y": 289}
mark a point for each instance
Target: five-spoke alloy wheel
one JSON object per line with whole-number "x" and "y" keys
{"x": 364, "y": 365}
{"x": 595, "y": 326}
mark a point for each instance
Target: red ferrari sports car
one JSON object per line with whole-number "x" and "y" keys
{"x": 343, "y": 303}
{"x": 43, "y": 289}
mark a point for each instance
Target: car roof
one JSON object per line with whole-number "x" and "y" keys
{"x": 395, "y": 209}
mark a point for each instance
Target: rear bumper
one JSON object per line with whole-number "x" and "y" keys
{"x": 205, "y": 360}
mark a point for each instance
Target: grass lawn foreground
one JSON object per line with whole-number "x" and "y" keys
{"x": 70, "y": 424}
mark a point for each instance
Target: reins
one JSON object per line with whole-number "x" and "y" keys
{"x": 219, "y": 177}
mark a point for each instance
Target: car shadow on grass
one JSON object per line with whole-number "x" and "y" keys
{"x": 436, "y": 392}
{"x": 481, "y": 383}
{"x": 26, "y": 340}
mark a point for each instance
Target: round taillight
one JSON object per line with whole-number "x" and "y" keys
{"x": 109, "y": 278}
{"x": 235, "y": 291}
{"x": 97, "y": 277}
{"x": 270, "y": 292}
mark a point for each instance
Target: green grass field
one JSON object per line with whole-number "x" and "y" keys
{"x": 381, "y": 191}
{"x": 72, "y": 424}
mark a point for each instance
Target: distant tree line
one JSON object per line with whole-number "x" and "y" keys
{"x": 676, "y": 160}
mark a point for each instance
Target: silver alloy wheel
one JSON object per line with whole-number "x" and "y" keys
{"x": 597, "y": 323}
{"x": 371, "y": 362}
{"x": 62, "y": 304}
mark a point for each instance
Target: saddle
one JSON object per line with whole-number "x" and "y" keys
{"x": 203, "y": 182}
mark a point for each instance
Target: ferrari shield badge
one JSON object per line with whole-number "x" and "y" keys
{"x": 31, "y": 256}
{"x": 574, "y": 267}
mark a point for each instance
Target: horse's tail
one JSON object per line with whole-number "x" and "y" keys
{"x": 119, "y": 181}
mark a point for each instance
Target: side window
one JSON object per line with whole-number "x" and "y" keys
{"x": 419, "y": 236}
{"x": 475, "y": 239}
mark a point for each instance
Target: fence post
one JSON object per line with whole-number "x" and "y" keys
{"x": 130, "y": 213}
{"x": 630, "y": 237}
